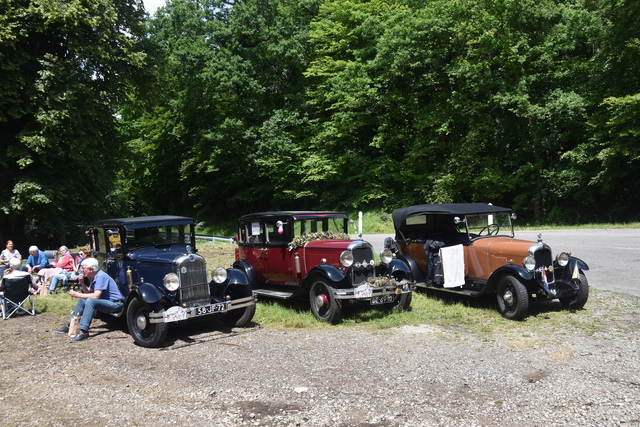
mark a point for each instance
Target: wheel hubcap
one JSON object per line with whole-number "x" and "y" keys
{"x": 322, "y": 300}
{"x": 508, "y": 297}
{"x": 141, "y": 322}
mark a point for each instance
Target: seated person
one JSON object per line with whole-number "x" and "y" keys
{"x": 103, "y": 295}
{"x": 61, "y": 265}
{"x": 14, "y": 272}
{"x": 69, "y": 275}
{"x": 8, "y": 253}
{"x": 37, "y": 260}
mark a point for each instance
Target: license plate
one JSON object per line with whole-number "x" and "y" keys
{"x": 363, "y": 291}
{"x": 385, "y": 299}
{"x": 220, "y": 307}
{"x": 175, "y": 314}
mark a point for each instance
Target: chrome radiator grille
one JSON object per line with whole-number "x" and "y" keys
{"x": 544, "y": 260}
{"x": 194, "y": 288}
{"x": 362, "y": 269}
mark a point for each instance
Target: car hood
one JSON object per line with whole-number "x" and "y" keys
{"x": 159, "y": 253}
{"x": 504, "y": 245}
{"x": 329, "y": 244}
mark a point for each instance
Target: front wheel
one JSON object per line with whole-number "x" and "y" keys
{"x": 402, "y": 303}
{"x": 513, "y": 299}
{"x": 144, "y": 333}
{"x": 578, "y": 301}
{"x": 239, "y": 317}
{"x": 324, "y": 304}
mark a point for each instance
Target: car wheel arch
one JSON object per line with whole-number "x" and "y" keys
{"x": 334, "y": 277}
{"x": 512, "y": 270}
{"x": 244, "y": 266}
{"x": 397, "y": 268}
{"x": 148, "y": 293}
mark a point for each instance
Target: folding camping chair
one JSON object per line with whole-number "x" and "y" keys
{"x": 15, "y": 293}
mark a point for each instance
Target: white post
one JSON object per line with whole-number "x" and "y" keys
{"x": 360, "y": 223}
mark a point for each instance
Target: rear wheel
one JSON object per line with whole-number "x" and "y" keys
{"x": 145, "y": 333}
{"x": 324, "y": 304}
{"x": 578, "y": 301}
{"x": 513, "y": 299}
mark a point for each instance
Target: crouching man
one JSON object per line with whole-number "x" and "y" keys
{"x": 103, "y": 295}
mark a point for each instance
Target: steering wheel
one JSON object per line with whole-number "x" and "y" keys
{"x": 491, "y": 229}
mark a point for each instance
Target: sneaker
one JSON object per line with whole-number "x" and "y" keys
{"x": 63, "y": 330}
{"x": 79, "y": 336}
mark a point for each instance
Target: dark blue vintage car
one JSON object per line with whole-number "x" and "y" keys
{"x": 156, "y": 265}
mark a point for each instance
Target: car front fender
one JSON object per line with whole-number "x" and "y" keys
{"x": 514, "y": 270}
{"x": 149, "y": 293}
{"x": 573, "y": 261}
{"x": 245, "y": 268}
{"x": 413, "y": 266}
{"x": 329, "y": 272}
{"x": 397, "y": 265}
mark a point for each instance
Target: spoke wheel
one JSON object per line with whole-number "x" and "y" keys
{"x": 324, "y": 305}
{"x": 145, "y": 333}
{"x": 513, "y": 299}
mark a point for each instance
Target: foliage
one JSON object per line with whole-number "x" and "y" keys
{"x": 215, "y": 108}
{"x": 62, "y": 66}
{"x": 300, "y": 241}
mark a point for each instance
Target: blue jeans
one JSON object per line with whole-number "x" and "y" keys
{"x": 87, "y": 308}
{"x": 56, "y": 278}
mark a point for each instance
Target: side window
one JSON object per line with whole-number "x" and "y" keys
{"x": 242, "y": 234}
{"x": 255, "y": 231}
{"x": 113, "y": 241}
{"x": 277, "y": 233}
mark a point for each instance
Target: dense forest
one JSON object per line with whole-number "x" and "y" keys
{"x": 214, "y": 108}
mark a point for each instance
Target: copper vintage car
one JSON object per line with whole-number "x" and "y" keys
{"x": 469, "y": 248}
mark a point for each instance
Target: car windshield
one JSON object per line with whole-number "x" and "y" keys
{"x": 315, "y": 225}
{"x": 157, "y": 235}
{"x": 485, "y": 225}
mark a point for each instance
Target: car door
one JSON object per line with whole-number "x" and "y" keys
{"x": 277, "y": 255}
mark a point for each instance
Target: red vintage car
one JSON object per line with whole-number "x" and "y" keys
{"x": 469, "y": 248}
{"x": 310, "y": 254}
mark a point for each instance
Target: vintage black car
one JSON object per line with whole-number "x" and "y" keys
{"x": 156, "y": 265}
{"x": 469, "y": 248}
{"x": 311, "y": 255}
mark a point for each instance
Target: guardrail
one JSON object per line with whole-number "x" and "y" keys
{"x": 214, "y": 238}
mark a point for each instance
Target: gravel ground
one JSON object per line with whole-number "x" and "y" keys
{"x": 584, "y": 373}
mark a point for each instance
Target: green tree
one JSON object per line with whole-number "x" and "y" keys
{"x": 63, "y": 65}
{"x": 213, "y": 137}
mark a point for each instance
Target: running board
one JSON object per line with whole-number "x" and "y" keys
{"x": 457, "y": 290}
{"x": 273, "y": 294}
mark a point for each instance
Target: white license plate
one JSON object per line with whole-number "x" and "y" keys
{"x": 220, "y": 307}
{"x": 363, "y": 291}
{"x": 385, "y": 299}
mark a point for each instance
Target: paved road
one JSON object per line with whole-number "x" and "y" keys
{"x": 612, "y": 254}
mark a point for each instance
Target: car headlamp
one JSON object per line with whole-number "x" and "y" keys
{"x": 563, "y": 259}
{"x": 219, "y": 275}
{"x": 346, "y": 259}
{"x": 386, "y": 256}
{"x": 171, "y": 282}
{"x": 530, "y": 263}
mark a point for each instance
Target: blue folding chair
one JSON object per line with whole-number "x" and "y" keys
{"x": 14, "y": 295}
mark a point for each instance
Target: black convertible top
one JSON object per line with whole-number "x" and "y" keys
{"x": 400, "y": 215}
